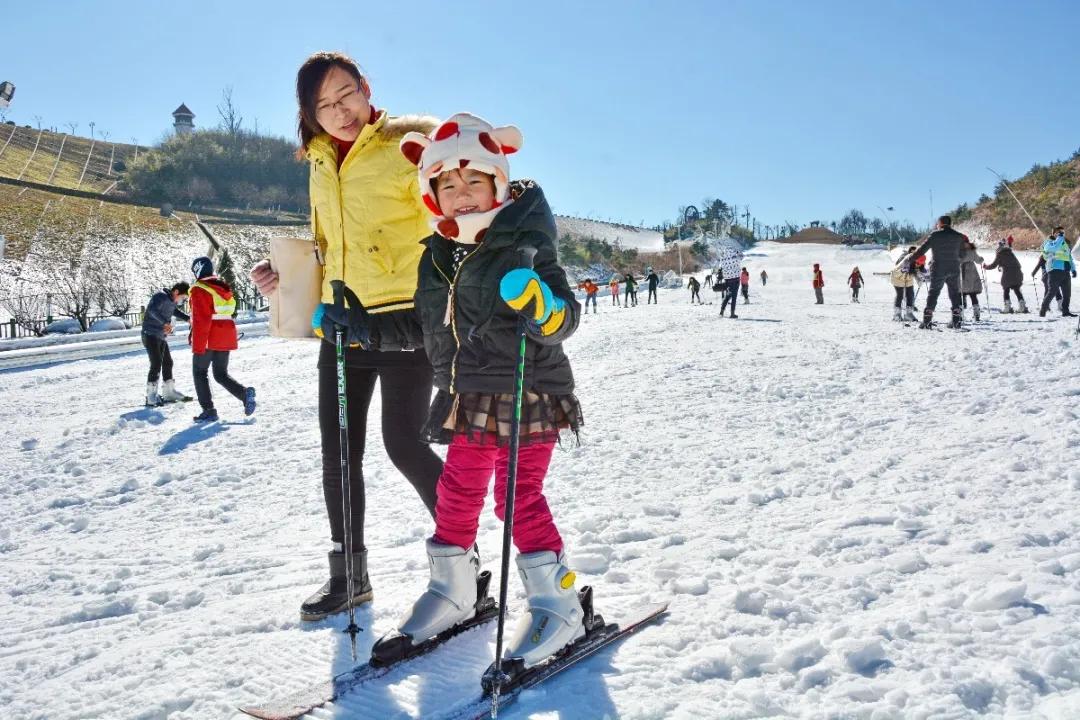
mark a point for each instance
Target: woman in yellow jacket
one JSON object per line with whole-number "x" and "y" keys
{"x": 368, "y": 220}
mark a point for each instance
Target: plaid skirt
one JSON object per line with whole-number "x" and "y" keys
{"x": 485, "y": 418}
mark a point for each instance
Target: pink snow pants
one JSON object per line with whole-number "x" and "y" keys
{"x": 463, "y": 487}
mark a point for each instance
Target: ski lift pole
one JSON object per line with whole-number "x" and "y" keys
{"x": 343, "y": 444}
{"x": 498, "y": 677}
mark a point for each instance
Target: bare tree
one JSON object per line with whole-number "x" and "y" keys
{"x": 37, "y": 119}
{"x": 27, "y": 310}
{"x": 92, "y": 123}
{"x": 75, "y": 290}
{"x": 105, "y": 135}
{"x": 114, "y": 293}
{"x": 73, "y": 126}
{"x": 230, "y": 116}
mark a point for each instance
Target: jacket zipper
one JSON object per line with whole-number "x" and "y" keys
{"x": 453, "y": 316}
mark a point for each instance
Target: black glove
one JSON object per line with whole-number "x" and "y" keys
{"x": 347, "y": 313}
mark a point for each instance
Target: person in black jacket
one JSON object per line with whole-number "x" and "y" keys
{"x": 156, "y": 327}
{"x": 654, "y": 280}
{"x": 476, "y": 288}
{"x": 946, "y": 244}
{"x": 695, "y": 290}
{"x": 1012, "y": 275}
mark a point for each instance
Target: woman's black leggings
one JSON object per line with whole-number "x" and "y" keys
{"x": 1015, "y": 290}
{"x": 904, "y": 293}
{"x": 160, "y": 358}
{"x": 406, "y": 396}
{"x": 974, "y": 299}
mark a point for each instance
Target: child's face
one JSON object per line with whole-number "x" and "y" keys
{"x": 460, "y": 192}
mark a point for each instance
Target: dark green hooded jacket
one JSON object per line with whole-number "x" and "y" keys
{"x": 478, "y": 350}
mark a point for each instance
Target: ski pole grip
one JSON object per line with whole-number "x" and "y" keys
{"x": 526, "y": 255}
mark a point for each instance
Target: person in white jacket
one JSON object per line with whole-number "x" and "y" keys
{"x": 731, "y": 259}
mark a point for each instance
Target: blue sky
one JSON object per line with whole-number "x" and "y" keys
{"x": 802, "y": 110}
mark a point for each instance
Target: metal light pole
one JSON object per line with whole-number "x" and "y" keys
{"x": 892, "y": 227}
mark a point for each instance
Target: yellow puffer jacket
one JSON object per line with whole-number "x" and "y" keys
{"x": 367, "y": 217}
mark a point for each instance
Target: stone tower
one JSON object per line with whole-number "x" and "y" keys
{"x": 183, "y": 120}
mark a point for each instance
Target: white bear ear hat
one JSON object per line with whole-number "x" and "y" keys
{"x": 463, "y": 141}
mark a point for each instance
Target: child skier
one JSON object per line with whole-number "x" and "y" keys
{"x": 855, "y": 281}
{"x": 213, "y": 337}
{"x": 903, "y": 281}
{"x": 156, "y": 327}
{"x": 631, "y": 290}
{"x": 591, "y": 289}
{"x": 695, "y": 289}
{"x": 744, "y": 281}
{"x": 1012, "y": 275}
{"x": 764, "y": 278}
{"x": 613, "y": 285}
{"x": 471, "y": 290}
{"x": 970, "y": 283}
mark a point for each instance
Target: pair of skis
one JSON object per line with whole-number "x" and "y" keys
{"x": 599, "y": 635}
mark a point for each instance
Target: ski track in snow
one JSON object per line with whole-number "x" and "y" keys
{"x": 853, "y": 520}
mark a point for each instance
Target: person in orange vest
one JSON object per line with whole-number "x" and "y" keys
{"x": 212, "y": 338}
{"x": 819, "y": 283}
{"x": 591, "y": 289}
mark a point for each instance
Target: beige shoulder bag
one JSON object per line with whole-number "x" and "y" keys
{"x": 299, "y": 266}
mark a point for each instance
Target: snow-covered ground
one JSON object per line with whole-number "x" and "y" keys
{"x": 851, "y": 518}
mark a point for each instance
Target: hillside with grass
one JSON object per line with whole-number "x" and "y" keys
{"x": 1051, "y": 193}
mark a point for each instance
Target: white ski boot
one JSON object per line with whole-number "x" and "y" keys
{"x": 896, "y": 314}
{"x": 554, "y": 618}
{"x": 1024, "y": 307}
{"x": 450, "y": 597}
{"x": 169, "y": 393}
{"x": 909, "y": 315}
{"x": 152, "y": 397}
{"x": 1008, "y": 309}
{"x": 975, "y": 309}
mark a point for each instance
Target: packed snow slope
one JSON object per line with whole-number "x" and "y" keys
{"x": 852, "y": 519}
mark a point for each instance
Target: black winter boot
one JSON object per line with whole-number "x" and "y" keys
{"x": 957, "y": 319}
{"x": 927, "y": 321}
{"x": 333, "y": 596}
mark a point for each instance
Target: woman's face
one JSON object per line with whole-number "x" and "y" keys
{"x": 342, "y": 107}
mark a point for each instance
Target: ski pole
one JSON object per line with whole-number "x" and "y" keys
{"x": 343, "y": 441}
{"x": 1002, "y": 179}
{"x": 986, "y": 289}
{"x": 525, "y": 259}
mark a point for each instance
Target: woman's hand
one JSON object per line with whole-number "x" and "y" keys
{"x": 264, "y": 277}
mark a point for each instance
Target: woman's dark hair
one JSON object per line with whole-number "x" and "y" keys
{"x": 308, "y": 80}
{"x": 182, "y": 287}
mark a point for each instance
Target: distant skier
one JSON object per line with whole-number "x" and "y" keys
{"x": 630, "y": 295}
{"x": 156, "y": 327}
{"x": 744, "y": 282}
{"x": 472, "y": 409}
{"x": 970, "y": 282}
{"x": 855, "y": 282}
{"x": 695, "y": 290}
{"x": 819, "y": 284}
{"x": 613, "y": 286}
{"x": 708, "y": 281}
{"x": 591, "y": 290}
{"x": 1058, "y": 259}
{"x": 213, "y": 337}
{"x": 730, "y": 264}
{"x": 764, "y": 278}
{"x": 903, "y": 281}
{"x": 946, "y": 245}
{"x": 654, "y": 281}
{"x": 1012, "y": 275}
